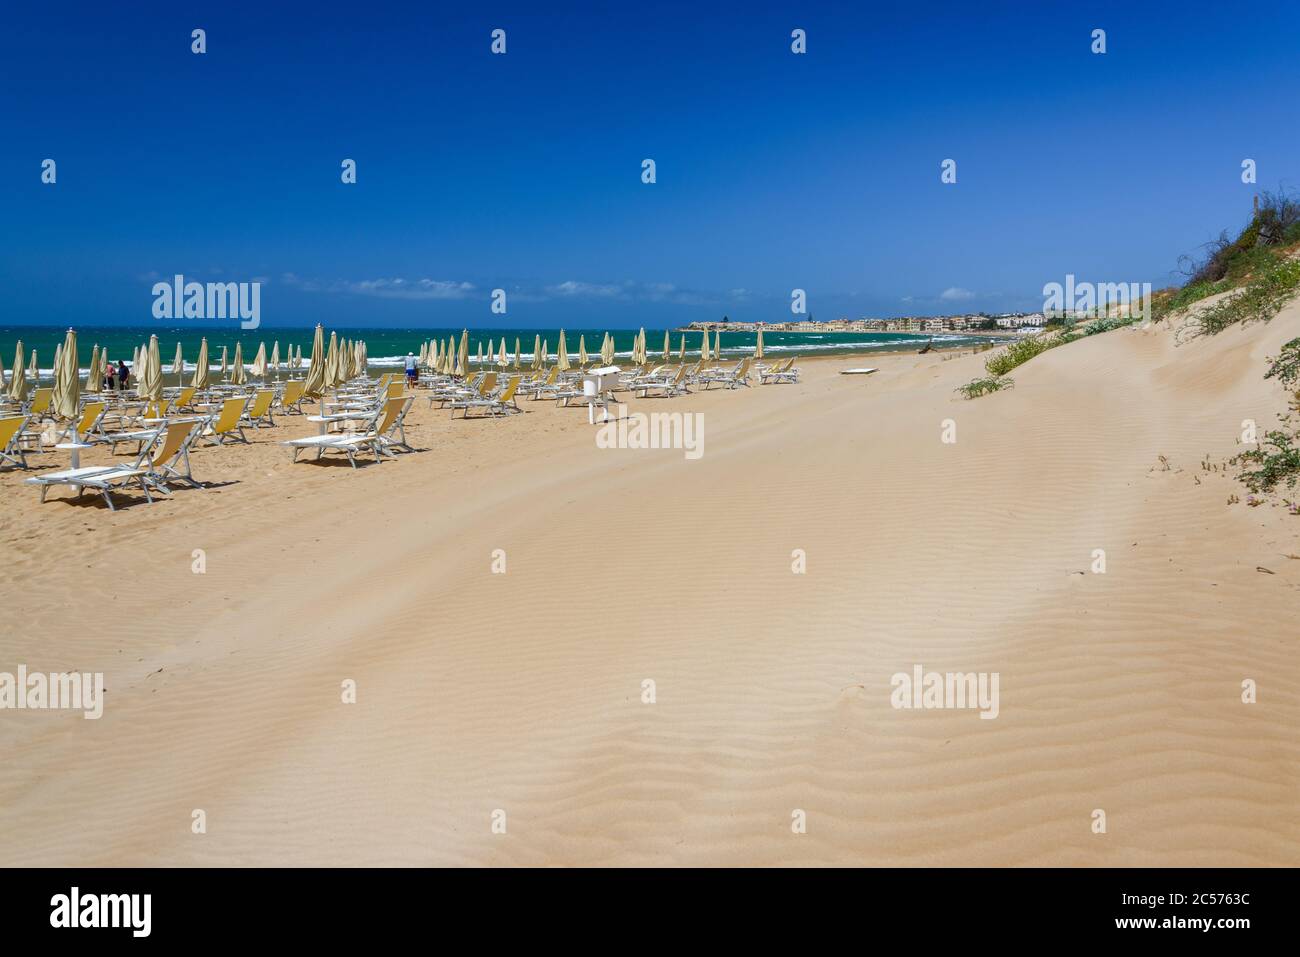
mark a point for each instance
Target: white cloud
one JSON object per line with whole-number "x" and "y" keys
{"x": 956, "y": 294}
{"x": 395, "y": 288}
{"x": 572, "y": 288}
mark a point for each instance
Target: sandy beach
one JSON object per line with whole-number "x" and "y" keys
{"x": 522, "y": 692}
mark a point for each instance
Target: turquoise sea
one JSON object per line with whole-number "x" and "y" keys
{"x": 388, "y": 347}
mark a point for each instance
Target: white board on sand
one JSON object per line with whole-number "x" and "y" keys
{"x": 856, "y": 371}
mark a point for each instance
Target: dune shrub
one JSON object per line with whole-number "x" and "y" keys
{"x": 979, "y": 387}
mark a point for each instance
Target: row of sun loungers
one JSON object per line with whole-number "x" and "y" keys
{"x": 371, "y": 419}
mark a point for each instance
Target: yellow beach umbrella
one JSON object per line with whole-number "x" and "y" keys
{"x": 537, "y": 352}
{"x": 704, "y": 348}
{"x": 562, "y": 354}
{"x": 503, "y": 358}
{"x": 717, "y": 346}
{"x": 237, "y": 376}
{"x": 314, "y": 385}
{"x": 758, "y": 349}
{"x": 517, "y": 353}
{"x": 67, "y": 380}
{"x": 582, "y": 351}
{"x": 178, "y": 365}
{"x": 681, "y": 356}
{"x": 202, "y": 374}
{"x": 667, "y": 346}
{"x": 34, "y": 370}
{"x": 462, "y": 358}
{"x": 546, "y": 352}
{"x": 18, "y": 381}
{"x": 607, "y": 350}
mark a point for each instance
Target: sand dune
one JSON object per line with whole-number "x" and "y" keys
{"x": 522, "y": 691}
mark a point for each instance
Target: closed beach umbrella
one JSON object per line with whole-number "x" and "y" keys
{"x": 546, "y": 352}
{"x": 58, "y": 351}
{"x": 758, "y": 349}
{"x": 704, "y": 348}
{"x": 94, "y": 378}
{"x": 517, "y": 353}
{"x": 202, "y": 375}
{"x": 178, "y": 365}
{"x": 34, "y": 370}
{"x": 462, "y": 365}
{"x": 640, "y": 347}
{"x": 562, "y": 354}
{"x": 479, "y": 360}
{"x": 681, "y": 356}
{"x": 667, "y": 347}
{"x": 503, "y": 359}
{"x": 717, "y": 346}
{"x": 314, "y": 384}
{"x": 259, "y": 361}
{"x": 607, "y": 350}
{"x": 2, "y": 372}
{"x": 424, "y": 353}
{"x": 331, "y": 362}
{"x": 582, "y": 351}
{"x": 67, "y": 380}
{"x": 18, "y": 381}
{"x": 149, "y": 381}
{"x": 275, "y": 358}
{"x": 237, "y": 376}
{"x": 537, "y": 352}
{"x": 225, "y": 364}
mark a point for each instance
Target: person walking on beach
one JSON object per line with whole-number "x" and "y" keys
{"x": 412, "y": 372}
{"x": 123, "y": 374}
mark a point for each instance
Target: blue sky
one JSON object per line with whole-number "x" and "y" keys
{"x": 775, "y": 171}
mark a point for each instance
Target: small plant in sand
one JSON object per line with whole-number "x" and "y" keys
{"x": 1285, "y": 367}
{"x": 979, "y": 387}
{"x": 1276, "y": 463}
